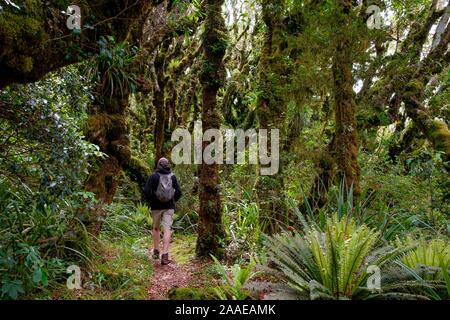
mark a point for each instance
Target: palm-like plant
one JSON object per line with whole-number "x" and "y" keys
{"x": 339, "y": 252}
{"x": 329, "y": 262}
{"x": 432, "y": 257}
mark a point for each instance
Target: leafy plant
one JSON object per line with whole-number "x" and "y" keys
{"x": 23, "y": 269}
{"x": 432, "y": 256}
{"x": 44, "y": 163}
{"x": 112, "y": 66}
{"x": 12, "y": 288}
{"x": 396, "y": 202}
{"x": 234, "y": 287}
{"x": 329, "y": 262}
{"x": 243, "y": 229}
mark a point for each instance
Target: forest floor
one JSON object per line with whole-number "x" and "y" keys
{"x": 124, "y": 269}
{"x": 184, "y": 272}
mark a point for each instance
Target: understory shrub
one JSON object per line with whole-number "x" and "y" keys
{"x": 332, "y": 262}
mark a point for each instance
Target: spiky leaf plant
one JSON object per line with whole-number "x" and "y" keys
{"x": 111, "y": 67}
{"x": 429, "y": 258}
{"x": 234, "y": 286}
{"x": 330, "y": 262}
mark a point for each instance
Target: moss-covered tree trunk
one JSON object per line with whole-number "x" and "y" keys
{"x": 160, "y": 104}
{"x": 271, "y": 111}
{"x": 413, "y": 95}
{"x": 210, "y": 227}
{"x": 172, "y": 100}
{"x": 160, "y": 121}
{"x": 107, "y": 128}
{"x": 34, "y": 39}
{"x": 346, "y": 151}
{"x": 436, "y": 131}
{"x": 318, "y": 195}
{"x": 407, "y": 82}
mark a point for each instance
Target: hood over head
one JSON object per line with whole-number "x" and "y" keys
{"x": 163, "y": 165}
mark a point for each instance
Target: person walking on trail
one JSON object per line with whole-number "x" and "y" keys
{"x": 162, "y": 192}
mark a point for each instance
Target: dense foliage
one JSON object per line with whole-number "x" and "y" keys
{"x": 363, "y": 115}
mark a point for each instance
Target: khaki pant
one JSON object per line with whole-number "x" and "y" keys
{"x": 162, "y": 217}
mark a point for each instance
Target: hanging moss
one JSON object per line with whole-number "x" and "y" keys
{"x": 137, "y": 170}
{"x": 101, "y": 124}
{"x": 439, "y": 134}
{"x": 121, "y": 150}
{"x": 107, "y": 128}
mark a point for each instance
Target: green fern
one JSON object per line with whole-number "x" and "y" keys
{"x": 431, "y": 257}
{"x": 329, "y": 262}
{"x": 234, "y": 283}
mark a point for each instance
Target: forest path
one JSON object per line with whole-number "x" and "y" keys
{"x": 185, "y": 271}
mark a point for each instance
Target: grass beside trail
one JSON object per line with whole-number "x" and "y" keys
{"x": 183, "y": 247}
{"x": 121, "y": 269}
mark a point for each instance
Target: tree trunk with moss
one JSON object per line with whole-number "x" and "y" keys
{"x": 159, "y": 104}
{"x": 318, "y": 195}
{"x": 346, "y": 151}
{"x": 270, "y": 112}
{"x": 436, "y": 131}
{"x": 210, "y": 227}
{"x": 407, "y": 82}
{"x": 34, "y": 39}
{"x": 413, "y": 95}
{"x": 171, "y": 103}
{"x": 107, "y": 128}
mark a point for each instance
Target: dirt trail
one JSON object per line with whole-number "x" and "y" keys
{"x": 171, "y": 276}
{"x": 185, "y": 271}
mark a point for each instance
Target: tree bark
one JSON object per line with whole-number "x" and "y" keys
{"x": 107, "y": 128}
{"x": 159, "y": 103}
{"x": 270, "y": 112}
{"x": 346, "y": 151}
{"x": 210, "y": 228}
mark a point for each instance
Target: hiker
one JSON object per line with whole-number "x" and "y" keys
{"x": 162, "y": 191}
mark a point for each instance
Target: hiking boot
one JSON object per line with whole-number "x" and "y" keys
{"x": 165, "y": 259}
{"x": 155, "y": 254}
